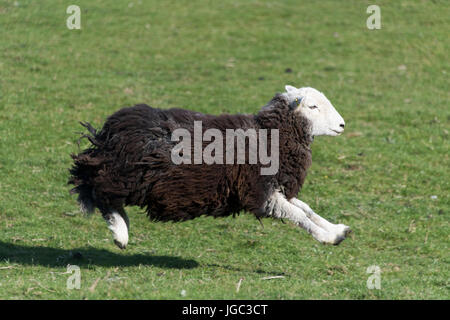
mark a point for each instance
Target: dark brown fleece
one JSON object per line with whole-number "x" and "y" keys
{"x": 129, "y": 163}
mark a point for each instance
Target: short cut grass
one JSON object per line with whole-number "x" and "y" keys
{"x": 387, "y": 176}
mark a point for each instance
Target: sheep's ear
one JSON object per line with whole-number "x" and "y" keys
{"x": 290, "y": 88}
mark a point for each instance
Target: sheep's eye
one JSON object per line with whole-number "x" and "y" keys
{"x": 313, "y": 107}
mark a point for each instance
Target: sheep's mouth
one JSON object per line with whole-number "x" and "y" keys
{"x": 338, "y": 132}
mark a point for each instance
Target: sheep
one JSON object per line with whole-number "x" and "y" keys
{"x": 130, "y": 162}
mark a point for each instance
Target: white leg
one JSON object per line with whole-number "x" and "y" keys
{"x": 118, "y": 227}
{"x": 338, "y": 229}
{"x": 279, "y": 207}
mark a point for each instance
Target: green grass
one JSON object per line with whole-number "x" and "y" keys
{"x": 390, "y": 85}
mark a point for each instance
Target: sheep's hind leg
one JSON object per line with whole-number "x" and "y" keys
{"x": 279, "y": 207}
{"x": 340, "y": 230}
{"x": 118, "y": 224}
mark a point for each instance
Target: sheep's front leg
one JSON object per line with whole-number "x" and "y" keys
{"x": 340, "y": 230}
{"x": 279, "y": 207}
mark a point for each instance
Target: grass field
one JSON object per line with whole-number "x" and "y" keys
{"x": 387, "y": 177}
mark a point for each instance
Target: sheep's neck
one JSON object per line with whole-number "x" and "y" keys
{"x": 292, "y": 126}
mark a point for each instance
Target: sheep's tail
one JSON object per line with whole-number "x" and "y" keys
{"x": 85, "y": 167}
{"x": 85, "y": 198}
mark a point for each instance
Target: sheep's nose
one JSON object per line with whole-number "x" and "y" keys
{"x": 342, "y": 125}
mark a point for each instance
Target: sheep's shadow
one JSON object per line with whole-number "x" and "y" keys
{"x": 55, "y": 257}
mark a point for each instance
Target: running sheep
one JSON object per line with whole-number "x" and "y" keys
{"x": 136, "y": 160}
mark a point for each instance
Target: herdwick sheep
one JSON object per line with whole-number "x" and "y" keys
{"x": 130, "y": 163}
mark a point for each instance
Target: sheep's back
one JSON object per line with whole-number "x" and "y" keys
{"x": 130, "y": 164}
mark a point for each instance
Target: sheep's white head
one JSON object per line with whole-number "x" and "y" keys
{"x": 315, "y": 107}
